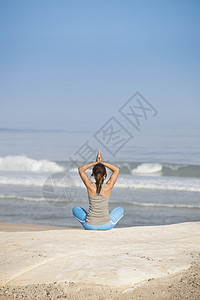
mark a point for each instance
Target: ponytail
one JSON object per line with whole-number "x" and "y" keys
{"x": 99, "y": 182}
{"x": 99, "y": 171}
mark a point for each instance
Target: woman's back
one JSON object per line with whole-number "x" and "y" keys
{"x": 98, "y": 217}
{"x": 98, "y": 209}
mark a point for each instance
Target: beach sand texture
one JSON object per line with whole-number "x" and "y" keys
{"x": 157, "y": 262}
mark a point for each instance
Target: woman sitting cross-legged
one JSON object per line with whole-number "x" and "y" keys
{"x": 98, "y": 217}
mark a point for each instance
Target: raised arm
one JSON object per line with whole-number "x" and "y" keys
{"x": 88, "y": 183}
{"x": 114, "y": 176}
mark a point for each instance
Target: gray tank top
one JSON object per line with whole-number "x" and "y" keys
{"x": 98, "y": 213}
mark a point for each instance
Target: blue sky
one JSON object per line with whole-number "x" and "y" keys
{"x": 72, "y": 64}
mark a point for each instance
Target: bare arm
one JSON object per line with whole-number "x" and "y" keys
{"x": 88, "y": 183}
{"x": 113, "y": 178}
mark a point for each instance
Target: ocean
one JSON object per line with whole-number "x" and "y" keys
{"x": 39, "y": 181}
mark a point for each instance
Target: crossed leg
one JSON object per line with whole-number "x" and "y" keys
{"x": 80, "y": 214}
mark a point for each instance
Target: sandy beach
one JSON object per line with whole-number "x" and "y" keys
{"x": 15, "y": 227}
{"x": 44, "y": 262}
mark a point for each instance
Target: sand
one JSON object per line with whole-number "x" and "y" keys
{"x": 14, "y": 227}
{"x": 158, "y": 262}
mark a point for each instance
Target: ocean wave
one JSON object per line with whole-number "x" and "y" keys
{"x": 41, "y": 180}
{"x": 25, "y": 181}
{"x": 23, "y": 163}
{"x": 160, "y": 183}
{"x": 174, "y": 167}
{"x": 73, "y": 170}
{"x": 147, "y": 168}
{"x": 143, "y": 204}
{"x": 14, "y": 197}
{"x": 159, "y": 169}
{"x": 124, "y": 182}
{"x": 151, "y": 204}
{"x": 25, "y": 198}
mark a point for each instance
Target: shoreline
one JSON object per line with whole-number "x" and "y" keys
{"x": 22, "y": 227}
{"x": 154, "y": 262}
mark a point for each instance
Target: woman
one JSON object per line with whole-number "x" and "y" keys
{"x": 98, "y": 217}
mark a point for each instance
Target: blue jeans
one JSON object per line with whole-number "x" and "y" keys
{"x": 80, "y": 214}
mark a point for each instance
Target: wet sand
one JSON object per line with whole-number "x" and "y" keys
{"x": 14, "y": 227}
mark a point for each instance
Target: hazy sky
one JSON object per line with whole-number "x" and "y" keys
{"x": 72, "y": 64}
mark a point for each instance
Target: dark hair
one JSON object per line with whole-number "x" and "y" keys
{"x": 99, "y": 171}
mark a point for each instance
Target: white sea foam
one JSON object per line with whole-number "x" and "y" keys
{"x": 23, "y": 163}
{"x": 167, "y": 205}
{"x": 123, "y": 182}
{"x": 145, "y": 204}
{"x": 24, "y": 180}
{"x": 147, "y": 168}
{"x": 37, "y": 181}
{"x": 73, "y": 170}
{"x": 13, "y": 197}
{"x": 159, "y": 183}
